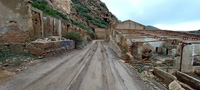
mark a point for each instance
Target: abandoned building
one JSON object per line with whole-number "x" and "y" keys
{"x": 24, "y": 23}
{"x": 21, "y": 24}
{"x": 142, "y": 44}
{"x": 181, "y": 49}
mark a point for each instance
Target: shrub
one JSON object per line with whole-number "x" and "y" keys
{"x": 74, "y": 36}
{"x": 100, "y": 23}
{"x": 82, "y": 9}
{"x": 161, "y": 53}
{"x": 53, "y": 39}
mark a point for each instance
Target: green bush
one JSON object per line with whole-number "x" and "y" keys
{"x": 161, "y": 53}
{"x": 100, "y": 23}
{"x": 74, "y": 36}
{"x": 88, "y": 17}
{"x": 53, "y": 39}
{"x": 82, "y": 9}
{"x": 79, "y": 25}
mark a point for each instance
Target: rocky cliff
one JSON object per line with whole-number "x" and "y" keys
{"x": 87, "y": 14}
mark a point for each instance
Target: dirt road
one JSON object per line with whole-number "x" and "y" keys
{"x": 94, "y": 68}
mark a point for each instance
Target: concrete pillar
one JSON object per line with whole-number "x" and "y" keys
{"x": 59, "y": 28}
{"x": 187, "y": 59}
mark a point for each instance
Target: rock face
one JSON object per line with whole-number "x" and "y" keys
{"x": 88, "y": 13}
{"x": 62, "y": 5}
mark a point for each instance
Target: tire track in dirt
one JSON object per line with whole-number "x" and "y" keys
{"x": 77, "y": 80}
{"x": 62, "y": 74}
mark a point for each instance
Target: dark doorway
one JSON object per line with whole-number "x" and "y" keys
{"x": 167, "y": 51}
{"x": 156, "y": 49}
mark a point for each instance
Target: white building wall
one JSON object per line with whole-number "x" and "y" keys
{"x": 187, "y": 59}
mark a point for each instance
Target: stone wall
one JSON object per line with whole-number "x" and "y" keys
{"x": 28, "y": 23}
{"x": 46, "y": 48}
{"x": 15, "y": 21}
{"x": 187, "y": 61}
{"x": 37, "y": 23}
{"x": 14, "y": 36}
{"x": 100, "y": 33}
{"x": 164, "y": 76}
{"x": 189, "y": 80}
{"x": 15, "y": 11}
{"x": 129, "y": 25}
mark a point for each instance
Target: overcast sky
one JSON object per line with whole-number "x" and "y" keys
{"x": 164, "y": 14}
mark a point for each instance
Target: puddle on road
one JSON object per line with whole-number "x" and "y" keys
{"x": 4, "y": 75}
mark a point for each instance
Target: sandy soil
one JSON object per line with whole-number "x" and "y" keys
{"x": 96, "y": 67}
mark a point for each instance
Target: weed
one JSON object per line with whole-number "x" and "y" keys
{"x": 161, "y": 53}
{"x": 53, "y": 39}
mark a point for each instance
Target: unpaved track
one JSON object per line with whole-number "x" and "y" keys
{"x": 94, "y": 68}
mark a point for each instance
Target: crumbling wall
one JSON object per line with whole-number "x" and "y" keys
{"x": 37, "y": 23}
{"x": 129, "y": 25}
{"x": 189, "y": 80}
{"x": 14, "y": 36}
{"x": 65, "y": 27}
{"x": 164, "y": 76}
{"x": 56, "y": 27}
{"x": 44, "y": 48}
{"x": 15, "y": 21}
{"x": 100, "y": 33}
{"x": 187, "y": 61}
{"x": 48, "y": 25}
{"x": 156, "y": 44}
{"x": 15, "y": 11}
{"x": 196, "y": 49}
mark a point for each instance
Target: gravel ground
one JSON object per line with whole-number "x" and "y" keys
{"x": 95, "y": 67}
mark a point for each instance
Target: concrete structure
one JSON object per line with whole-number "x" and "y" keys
{"x": 124, "y": 25}
{"x": 110, "y": 31}
{"x": 182, "y": 47}
{"x": 20, "y": 22}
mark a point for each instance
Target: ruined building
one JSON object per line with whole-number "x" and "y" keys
{"x": 183, "y": 49}
{"x": 20, "y": 22}
{"x": 166, "y": 58}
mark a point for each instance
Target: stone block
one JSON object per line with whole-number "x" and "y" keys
{"x": 189, "y": 80}
{"x": 166, "y": 77}
{"x": 34, "y": 50}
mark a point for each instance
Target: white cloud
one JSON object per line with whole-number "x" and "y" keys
{"x": 168, "y": 14}
{"x": 186, "y": 26}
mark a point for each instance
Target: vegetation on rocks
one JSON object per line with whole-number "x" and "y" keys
{"x": 86, "y": 13}
{"x": 43, "y": 6}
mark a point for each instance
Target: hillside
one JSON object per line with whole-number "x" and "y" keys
{"x": 195, "y": 31}
{"x": 151, "y": 28}
{"x": 86, "y": 14}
